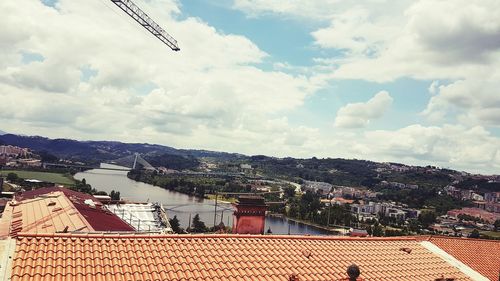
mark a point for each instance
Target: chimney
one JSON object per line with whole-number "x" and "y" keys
{"x": 249, "y": 216}
{"x": 353, "y": 272}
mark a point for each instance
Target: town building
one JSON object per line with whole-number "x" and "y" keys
{"x": 3, "y": 160}
{"x": 492, "y": 207}
{"x": 490, "y": 217}
{"x": 369, "y": 209}
{"x": 398, "y": 185}
{"x": 492, "y": 197}
{"x": 317, "y": 186}
{"x": 14, "y": 151}
{"x": 245, "y": 166}
{"x": 29, "y": 163}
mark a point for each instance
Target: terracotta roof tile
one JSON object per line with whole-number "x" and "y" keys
{"x": 221, "y": 257}
{"x": 481, "y": 255}
{"x": 100, "y": 219}
{"x": 49, "y": 213}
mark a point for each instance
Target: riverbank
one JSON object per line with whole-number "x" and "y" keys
{"x": 58, "y": 178}
{"x": 228, "y": 200}
{"x": 181, "y": 205}
{"x": 337, "y": 230}
{"x": 220, "y": 198}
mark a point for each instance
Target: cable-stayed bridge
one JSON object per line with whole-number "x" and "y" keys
{"x": 134, "y": 161}
{"x": 131, "y": 162}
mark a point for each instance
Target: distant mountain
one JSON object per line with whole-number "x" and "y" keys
{"x": 2, "y": 132}
{"x": 93, "y": 152}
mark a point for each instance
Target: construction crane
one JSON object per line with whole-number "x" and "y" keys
{"x": 143, "y": 19}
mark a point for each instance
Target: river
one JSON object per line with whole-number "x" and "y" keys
{"x": 181, "y": 205}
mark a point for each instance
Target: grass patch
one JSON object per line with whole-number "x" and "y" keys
{"x": 7, "y": 187}
{"x": 495, "y": 234}
{"x": 221, "y": 198}
{"x": 42, "y": 176}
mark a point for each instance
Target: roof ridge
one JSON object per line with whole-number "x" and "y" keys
{"x": 225, "y": 236}
{"x": 82, "y": 218}
{"x": 462, "y": 238}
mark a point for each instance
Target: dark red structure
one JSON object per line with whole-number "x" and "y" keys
{"x": 249, "y": 216}
{"x": 98, "y": 217}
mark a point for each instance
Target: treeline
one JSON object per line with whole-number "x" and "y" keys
{"x": 421, "y": 198}
{"x": 334, "y": 171}
{"x": 196, "y": 226}
{"x": 191, "y": 185}
{"x": 480, "y": 185}
{"x": 420, "y": 178}
{"x": 172, "y": 161}
{"x": 308, "y": 207}
{"x": 84, "y": 187}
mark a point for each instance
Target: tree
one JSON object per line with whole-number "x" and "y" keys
{"x": 369, "y": 230}
{"x": 12, "y": 177}
{"x": 414, "y": 225}
{"x": 175, "y": 224}
{"x": 377, "y": 230}
{"x": 289, "y": 191}
{"x": 427, "y": 218}
{"x": 47, "y": 157}
{"x": 115, "y": 195}
{"x": 293, "y": 210}
{"x": 474, "y": 234}
{"x": 198, "y": 225}
{"x": 497, "y": 225}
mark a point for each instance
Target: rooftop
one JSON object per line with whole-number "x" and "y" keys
{"x": 143, "y": 217}
{"x": 52, "y": 209}
{"x": 48, "y": 213}
{"x": 481, "y": 255}
{"x": 223, "y": 257}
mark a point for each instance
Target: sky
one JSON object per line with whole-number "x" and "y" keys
{"x": 415, "y": 82}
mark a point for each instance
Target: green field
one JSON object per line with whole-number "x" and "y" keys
{"x": 495, "y": 234}
{"x": 221, "y": 198}
{"x": 42, "y": 176}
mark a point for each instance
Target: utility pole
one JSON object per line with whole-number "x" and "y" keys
{"x": 189, "y": 222}
{"x": 329, "y": 210}
{"x": 215, "y": 211}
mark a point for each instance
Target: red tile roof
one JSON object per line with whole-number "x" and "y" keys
{"x": 99, "y": 218}
{"x": 481, "y": 255}
{"x": 222, "y": 257}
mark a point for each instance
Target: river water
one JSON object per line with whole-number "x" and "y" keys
{"x": 179, "y": 204}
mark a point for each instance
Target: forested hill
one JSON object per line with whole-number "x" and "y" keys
{"x": 92, "y": 152}
{"x": 349, "y": 172}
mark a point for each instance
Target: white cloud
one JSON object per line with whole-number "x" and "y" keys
{"x": 433, "y": 40}
{"x": 355, "y": 32}
{"x": 318, "y": 10}
{"x": 208, "y": 95}
{"x": 213, "y": 95}
{"x": 357, "y": 115}
{"x": 473, "y": 149}
{"x": 447, "y": 146}
{"x": 475, "y": 101}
